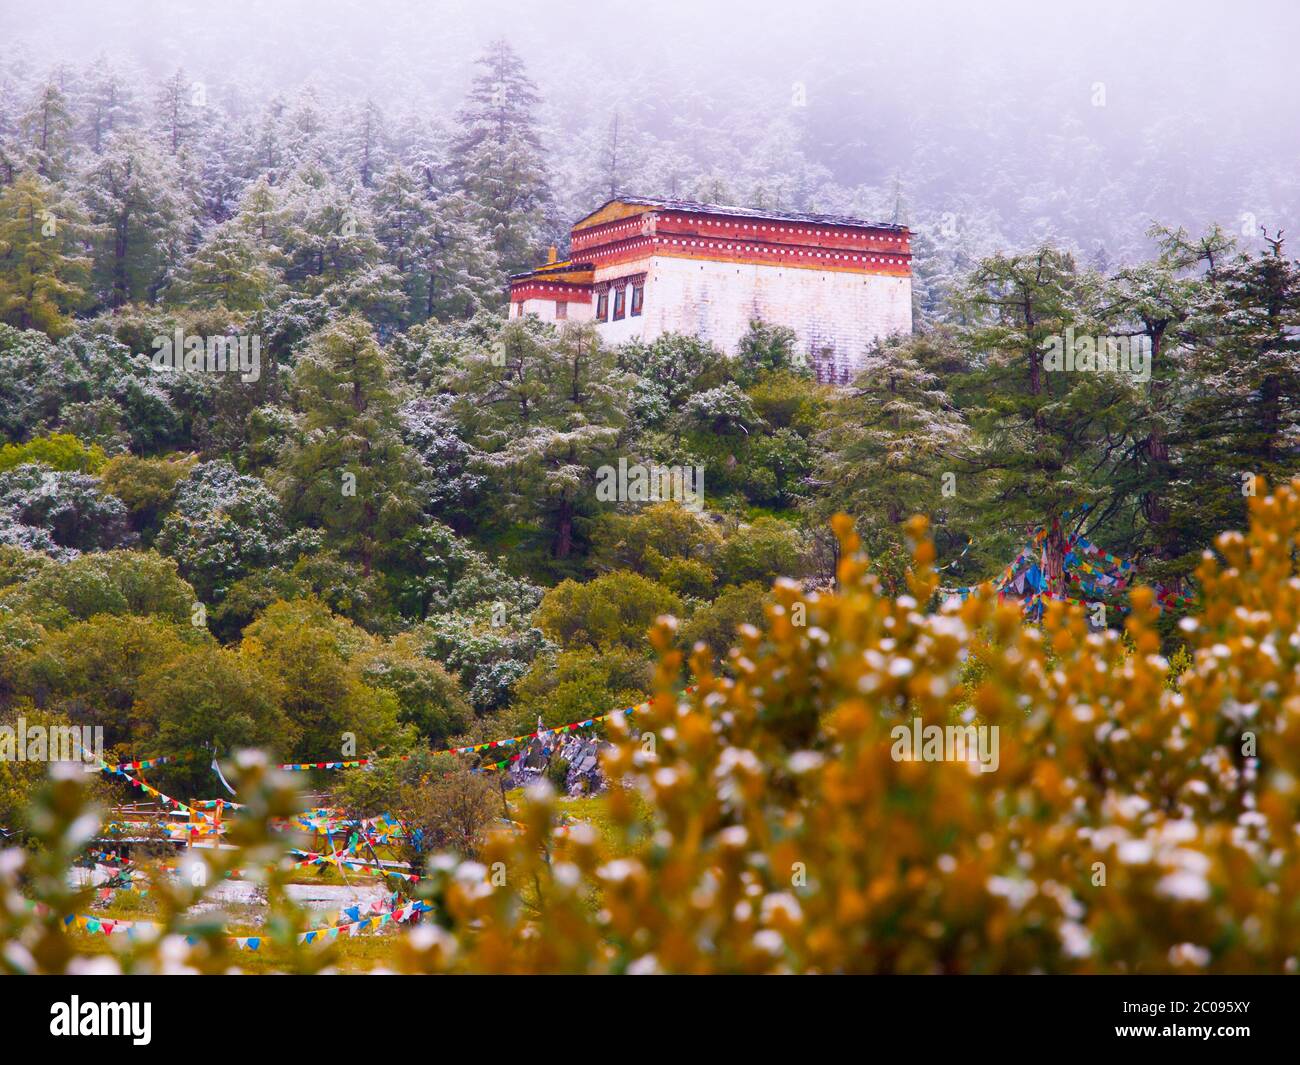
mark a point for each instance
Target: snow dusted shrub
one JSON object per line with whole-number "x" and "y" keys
{"x": 1130, "y": 825}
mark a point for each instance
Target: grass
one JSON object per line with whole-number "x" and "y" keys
{"x": 365, "y": 952}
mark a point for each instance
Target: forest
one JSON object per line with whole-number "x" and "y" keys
{"x": 374, "y": 531}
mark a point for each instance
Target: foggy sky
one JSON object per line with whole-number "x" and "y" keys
{"x": 1203, "y": 96}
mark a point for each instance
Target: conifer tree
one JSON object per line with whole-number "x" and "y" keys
{"x": 367, "y": 146}
{"x": 888, "y": 441}
{"x": 175, "y": 112}
{"x": 108, "y": 104}
{"x": 47, "y": 128}
{"x": 349, "y": 472}
{"x": 497, "y": 155}
{"x": 1046, "y": 433}
{"x": 1240, "y": 426}
{"x": 546, "y": 408}
{"x": 43, "y": 268}
{"x": 133, "y": 196}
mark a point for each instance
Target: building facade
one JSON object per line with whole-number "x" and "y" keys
{"x": 641, "y": 267}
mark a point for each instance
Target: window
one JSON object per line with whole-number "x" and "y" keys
{"x": 561, "y": 310}
{"x": 620, "y": 299}
{"x": 602, "y": 305}
{"x": 638, "y": 298}
{"x": 519, "y": 309}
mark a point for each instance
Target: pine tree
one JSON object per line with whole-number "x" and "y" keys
{"x": 42, "y": 267}
{"x": 328, "y": 237}
{"x": 463, "y": 269}
{"x": 1240, "y": 427}
{"x": 108, "y": 105}
{"x": 175, "y": 113}
{"x": 1045, "y": 439}
{"x": 497, "y": 155}
{"x": 402, "y": 216}
{"x": 546, "y": 408}
{"x": 889, "y": 439}
{"x": 47, "y": 128}
{"x": 306, "y": 134}
{"x": 367, "y": 147}
{"x": 349, "y": 472}
{"x": 232, "y": 268}
{"x": 269, "y": 155}
{"x": 1156, "y": 303}
{"x": 133, "y": 195}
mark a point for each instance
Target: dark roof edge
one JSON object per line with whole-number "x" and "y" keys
{"x": 694, "y": 207}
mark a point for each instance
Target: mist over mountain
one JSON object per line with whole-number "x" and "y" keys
{"x": 984, "y": 127}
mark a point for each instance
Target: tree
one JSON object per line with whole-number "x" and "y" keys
{"x": 47, "y": 127}
{"x": 487, "y": 652}
{"x": 1044, "y": 436}
{"x": 349, "y": 472}
{"x": 42, "y": 268}
{"x": 366, "y": 145}
{"x": 111, "y": 582}
{"x": 768, "y": 349}
{"x": 326, "y": 234}
{"x": 402, "y": 218}
{"x": 1240, "y": 425}
{"x": 497, "y": 154}
{"x": 211, "y": 700}
{"x": 668, "y": 371}
{"x": 452, "y": 477}
{"x": 224, "y": 525}
{"x": 664, "y": 541}
{"x": 545, "y": 409}
{"x": 109, "y": 103}
{"x": 715, "y": 624}
{"x": 70, "y": 508}
{"x": 22, "y": 778}
{"x": 463, "y": 267}
{"x": 1153, "y": 301}
{"x": 231, "y": 269}
{"x": 440, "y": 802}
{"x": 132, "y": 194}
{"x": 57, "y": 451}
{"x": 887, "y": 444}
{"x": 428, "y": 696}
{"x": 92, "y": 669}
{"x": 763, "y": 550}
{"x": 175, "y": 116}
{"x": 723, "y": 410}
{"x": 146, "y": 486}
{"x": 575, "y": 685}
{"x": 448, "y": 266}
{"x": 614, "y": 610}
{"x": 315, "y": 659}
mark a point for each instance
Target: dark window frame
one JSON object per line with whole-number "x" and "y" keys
{"x": 561, "y": 310}
{"x": 602, "y": 305}
{"x": 620, "y": 303}
{"x": 638, "y": 300}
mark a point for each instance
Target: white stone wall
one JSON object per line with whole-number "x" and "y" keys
{"x": 628, "y": 328}
{"x": 830, "y": 311}
{"x": 545, "y": 310}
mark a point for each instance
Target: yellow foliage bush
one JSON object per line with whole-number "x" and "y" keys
{"x": 762, "y": 823}
{"x": 1128, "y": 827}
